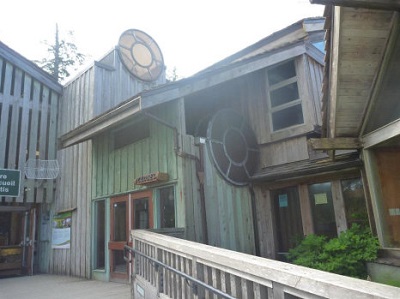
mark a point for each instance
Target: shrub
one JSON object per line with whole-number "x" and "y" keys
{"x": 345, "y": 255}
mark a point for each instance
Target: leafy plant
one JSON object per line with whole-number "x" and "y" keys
{"x": 345, "y": 255}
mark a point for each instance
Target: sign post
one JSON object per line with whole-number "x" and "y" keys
{"x": 9, "y": 182}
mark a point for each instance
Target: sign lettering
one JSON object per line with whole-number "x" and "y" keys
{"x": 9, "y": 182}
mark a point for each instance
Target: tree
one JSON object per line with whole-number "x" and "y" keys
{"x": 62, "y": 56}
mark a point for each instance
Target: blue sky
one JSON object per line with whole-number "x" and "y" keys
{"x": 192, "y": 35}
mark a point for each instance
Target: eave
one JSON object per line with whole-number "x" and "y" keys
{"x": 307, "y": 169}
{"x": 101, "y": 123}
{"x": 370, "y": 4}
{"x": 29, "y": 67}
{"x": 358, "y": 40}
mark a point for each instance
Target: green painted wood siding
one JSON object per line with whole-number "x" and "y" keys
{"x": 229, "y": 213}
{"x": 114, "y": 171}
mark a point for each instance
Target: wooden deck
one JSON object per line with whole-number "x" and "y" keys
{"x": 54, "y": 286}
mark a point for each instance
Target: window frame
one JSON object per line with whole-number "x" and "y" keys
{"x": 282, "y": 84}
{"x": 157, "y": 207}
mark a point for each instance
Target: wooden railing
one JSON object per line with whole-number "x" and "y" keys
{"x": 168, "y": 267}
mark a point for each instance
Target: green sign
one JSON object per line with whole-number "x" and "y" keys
{"x": 9, "y": 182}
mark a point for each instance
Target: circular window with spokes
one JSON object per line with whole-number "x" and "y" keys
{"x": 141, "y": 55}
{"x": 232, "y": 146}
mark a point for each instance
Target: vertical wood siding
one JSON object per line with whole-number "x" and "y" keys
{"x": 96, "y": 90}
{"x": 101, "y": 87}
{"x": 28, "y": 124}
{"x": 229, "y": 213}
{"x": 115, "y": 170}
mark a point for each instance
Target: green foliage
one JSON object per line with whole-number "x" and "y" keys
{"x": 62, "y": 56}
{"x": 345, "y": 255}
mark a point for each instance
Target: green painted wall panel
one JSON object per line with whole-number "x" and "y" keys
{"x": 116, "y": 170}
{"x": 229, "y": 213}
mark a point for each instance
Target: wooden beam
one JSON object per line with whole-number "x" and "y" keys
{"x": 339, "y": 143}
{"x": 371, "y": 4}
{"x": 383, "y": 134}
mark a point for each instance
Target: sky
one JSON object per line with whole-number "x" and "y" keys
{"x": 192, "y": 35}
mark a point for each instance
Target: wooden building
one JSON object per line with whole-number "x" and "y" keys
{"x": 361, "y": 100}
{"x": 224, "y": 157}
{"x": 29, "y": 101}
{"x": 221, "y": 158}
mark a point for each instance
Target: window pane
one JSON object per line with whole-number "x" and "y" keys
{"x": 120, "y": 221}
{"x": 141, "y": 213}
{"x": 100, "y": 235}
{"x": 322, "y": 209}
{"x": 355, "y": 205}
{"x": 281, "y": 72}
{"x": 167, "y": 207}
{"x": 287, "y": 117}
{"x": 285, "y": 94}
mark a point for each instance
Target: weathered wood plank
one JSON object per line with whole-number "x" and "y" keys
{"x": 371, "y": 4}
{"x": 43, "y": 142}
{"x": 306, "y": 213}
{"x": 33, "y": 136}
{"x": 5, "y": 114}
{"x": 339, "y": 207}
{"x": 342, "y": 143}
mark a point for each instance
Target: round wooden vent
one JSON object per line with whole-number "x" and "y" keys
{"x": 232, "y": 146}
{"x": 141, "y": 55}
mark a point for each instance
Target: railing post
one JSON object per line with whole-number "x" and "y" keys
{"x": 159, "y": 281}
{"x": 277, "y": 291}
{"x": 194, "y": 290}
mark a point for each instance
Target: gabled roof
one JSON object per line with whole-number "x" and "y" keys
{"x": 288, "y": 42}
{"x": 29, "y": 67}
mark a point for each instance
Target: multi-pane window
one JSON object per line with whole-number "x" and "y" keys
{"x": 166, "y": 207}
{"x": 284, "y": 100}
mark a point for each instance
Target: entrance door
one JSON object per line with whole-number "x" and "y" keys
{"x": 133, "y": 211}
{"x": 17, "y": 239}
{"x": 389, "y": 175}
{"x": 289, "y": 226}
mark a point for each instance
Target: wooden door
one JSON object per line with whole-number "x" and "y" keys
{"x": 389, "y": 174}
{"x": 119, "y": 222}
{"x": 128, "y": 212}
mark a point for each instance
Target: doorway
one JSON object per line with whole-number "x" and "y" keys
{"x": 17, "y": 239}
{"x": 389, "y": 176}
{"x": 289, "y": 225}
{"x": 131, "y": 211}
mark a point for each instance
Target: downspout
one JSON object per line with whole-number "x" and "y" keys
{"x": 199, "y": 169}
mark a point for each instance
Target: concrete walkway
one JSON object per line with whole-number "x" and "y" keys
{"x": 60, "y": 287}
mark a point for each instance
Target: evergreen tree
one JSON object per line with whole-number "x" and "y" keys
{"x": 62, "y": 56}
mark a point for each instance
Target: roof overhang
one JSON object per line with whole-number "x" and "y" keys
{"x": 29, "y": 67}
{"x": 278, "y": 47}
{"x": 358, "y": 40}
{"x": 102, "y": 123}
{"x": 304, "y": 170}
{"x": 370, "y": 4}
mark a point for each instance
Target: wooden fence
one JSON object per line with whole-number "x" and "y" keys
{"x": 167, "y": 267}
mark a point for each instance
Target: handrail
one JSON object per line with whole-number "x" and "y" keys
{"x": 237, "y": 274}
{"x": 156, "y": 263}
